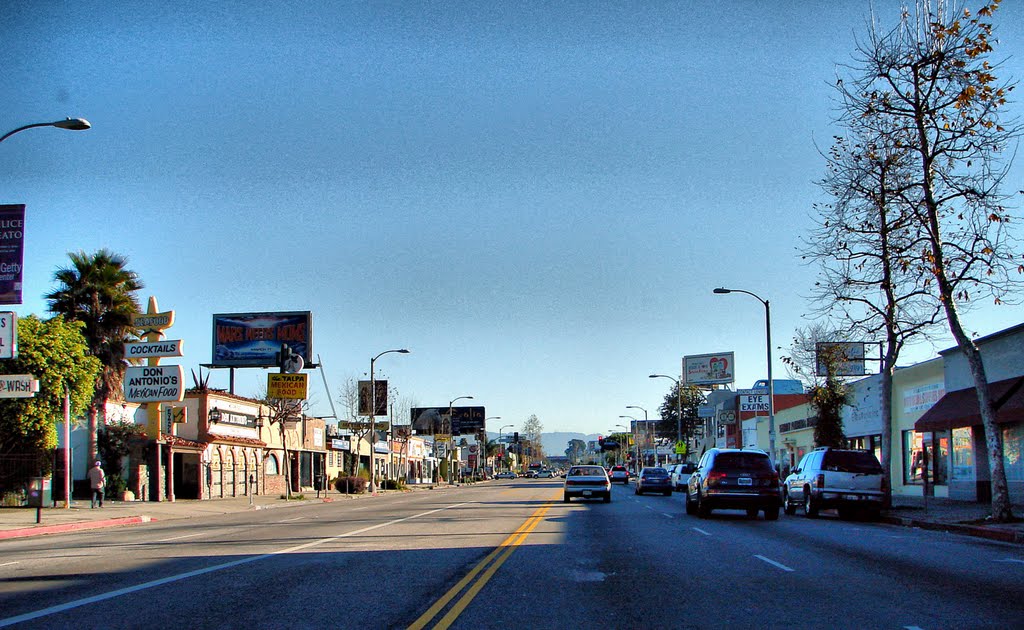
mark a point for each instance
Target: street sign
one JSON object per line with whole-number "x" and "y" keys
{"x": 287, "y": 386}
{"x": 154, "y": 383}
{"x": 150, "y": 322}
{"x": 680, "y": 448}
{"x": 18, "y": 386}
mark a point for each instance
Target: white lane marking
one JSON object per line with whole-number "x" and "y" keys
{"x": 181, "y": 537}
{"x": 7, "y": 564}
{"x": 913, "y": 628}
{"x": 667, "y": 515}
{"x": 1003, "y": 560}
{"x": 52, "y": 610}
{"x": 773, "y": 563}
{"x": 289, "y": 520}
{"x": 648, "y": 507}
{"x": 697, "y": 529}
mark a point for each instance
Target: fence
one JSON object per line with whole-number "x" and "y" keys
{"x": 17, "y": 468}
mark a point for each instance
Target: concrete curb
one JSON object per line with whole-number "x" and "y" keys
{"x": 978, "y": 531}
{"x": 70, "y": 527}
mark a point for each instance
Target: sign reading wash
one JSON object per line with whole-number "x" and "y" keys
{"x": 18, "y": 386}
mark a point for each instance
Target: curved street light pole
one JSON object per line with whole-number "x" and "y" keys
{"x": 636, "y": 440}
{"x": 373, "y": 420}
{"x": 679, "y": 404}
{"x": 621, "y": 426}
{"x": 647, "y": 430}
{"x": 74, "y": 124}
{"x": 451, "y": 437}
{"x": 504, "y": 451}
{"x": 771, "y": 383}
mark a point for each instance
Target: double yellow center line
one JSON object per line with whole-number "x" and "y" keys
{"x": 485, "y": 569}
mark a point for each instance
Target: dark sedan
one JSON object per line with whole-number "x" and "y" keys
{"x": 654, "y": 479}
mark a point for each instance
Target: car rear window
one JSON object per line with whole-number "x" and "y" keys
{"x": 851, "y": 461}
{"x": 586, "y": 471}
{"x": 743, "y": 461}
{"x": 655, "y": 471}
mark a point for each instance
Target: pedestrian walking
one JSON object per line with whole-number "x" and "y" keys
{"x": 97, "y": 480}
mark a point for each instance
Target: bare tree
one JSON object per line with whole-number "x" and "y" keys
{"x": 927, "y": 91}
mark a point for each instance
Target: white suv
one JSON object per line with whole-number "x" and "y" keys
{"x": 848, "y": 480}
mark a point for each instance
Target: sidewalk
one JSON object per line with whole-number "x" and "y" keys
{"x": 21, "y": 522}
{"x": 960, "y": 517}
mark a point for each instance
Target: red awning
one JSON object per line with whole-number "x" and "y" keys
{"x": 960, "y": 408}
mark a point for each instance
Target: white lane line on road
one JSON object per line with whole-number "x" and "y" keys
{"x": 85, "y": 601}
{"x": 773, "y": 563}
{"x": 181, "y": 537}
{"x": 667, "y": 515}
{"x": 289, "y": 520}
{"x": 700, "y": 531}
{"x": 913, "y": 628}
{"x": 1003, "y": 560}
{"x": 7, "y": 564}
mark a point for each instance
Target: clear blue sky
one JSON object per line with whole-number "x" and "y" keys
{"x": 535, "y": 198}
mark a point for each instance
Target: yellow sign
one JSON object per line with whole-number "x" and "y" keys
{"x": 287, "y": 386}
{"x": 680, "y": 448}
{"x": 442, "y": 437}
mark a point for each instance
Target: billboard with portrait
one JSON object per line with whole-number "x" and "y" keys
{"x": 12, "y": 252}
{"x": 254, "y": 339}
{"x": 709, "y": 369}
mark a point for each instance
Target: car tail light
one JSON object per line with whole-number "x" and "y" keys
{"x": 715, "y": 477}
{"x": 774, "y": 479}
{"x": 819, "y": 482}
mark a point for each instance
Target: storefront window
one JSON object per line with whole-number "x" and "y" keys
{"x": 271, "y": 465}
{"x": 913, "y": 457}
{"x": 963, "y": 455}
{"x": 1013, "y": 452}
{"x": 940, "y": 456}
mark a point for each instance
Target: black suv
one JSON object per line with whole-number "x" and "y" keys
{"x": 736, "y": 479}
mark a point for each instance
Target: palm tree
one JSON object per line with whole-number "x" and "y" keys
{"x": 99, "y": 291}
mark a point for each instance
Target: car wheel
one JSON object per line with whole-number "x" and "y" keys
{"x": 751, "y": 512}
{"x": 566, "y": 498}
{"x": 690, "y": 507}
{"x": 771, "y": 514}
{"x": 790, "y": 507}
{"x": 703, "y": 510}
{"x": 810, "y": 505}
{"x": 608, "y": 498}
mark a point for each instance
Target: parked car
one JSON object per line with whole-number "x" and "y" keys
{"x": 588, "y": 482}
{"x": 738, "y": 479}
{"x": 619, "y": 474}
{"x": 505, "y": 474}
{"x": 653, "y": 479}
{"x": 680, "y": 475}
{"x": 846, "y": 479}
{"x": 545, "y": 474}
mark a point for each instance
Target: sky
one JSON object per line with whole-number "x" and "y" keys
{"x": 536, "y": 199}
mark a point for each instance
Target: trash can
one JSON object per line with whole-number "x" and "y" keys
{"x": 40, "y": 491}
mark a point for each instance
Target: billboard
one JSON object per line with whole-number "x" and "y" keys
{"x": 380, "y": 399}
{"x": 434, "y": 420}
{"x": 12, "y": 252}
{"x": 254, "y": 339}
{"x": 847, "y": 357}
{"x": 709, "y": 369}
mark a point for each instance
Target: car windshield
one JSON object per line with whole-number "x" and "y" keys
{"x": 586, "y": 471}
{"x": 649, "y": 472}
{"x": 743, "y": 461}
{"x": 852, "y": 461}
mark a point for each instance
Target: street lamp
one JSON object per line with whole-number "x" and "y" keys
{"x": 451, "y": 438}
{"x": 620, "y": 426}
{"x": 504, "y": 450}
{"x": 373, "y": 419}
{"x": 647, "y": 429}
{"x": 771, "y": 383}
{"x": 636, "y": 440}
{"x": 679, "y": 405}
{"x": 74, "y": 124}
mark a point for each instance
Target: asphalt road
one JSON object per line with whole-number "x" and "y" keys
{"x": 506, "y": 555}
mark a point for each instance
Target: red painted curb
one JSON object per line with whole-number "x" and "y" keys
{"x": 70, "y": 527}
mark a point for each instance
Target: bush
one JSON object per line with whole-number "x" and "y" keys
{"x": 350, "y": 485}
{"x": 392, "y": 484}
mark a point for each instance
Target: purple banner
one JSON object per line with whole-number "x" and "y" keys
{"x": 12, "y": 252}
